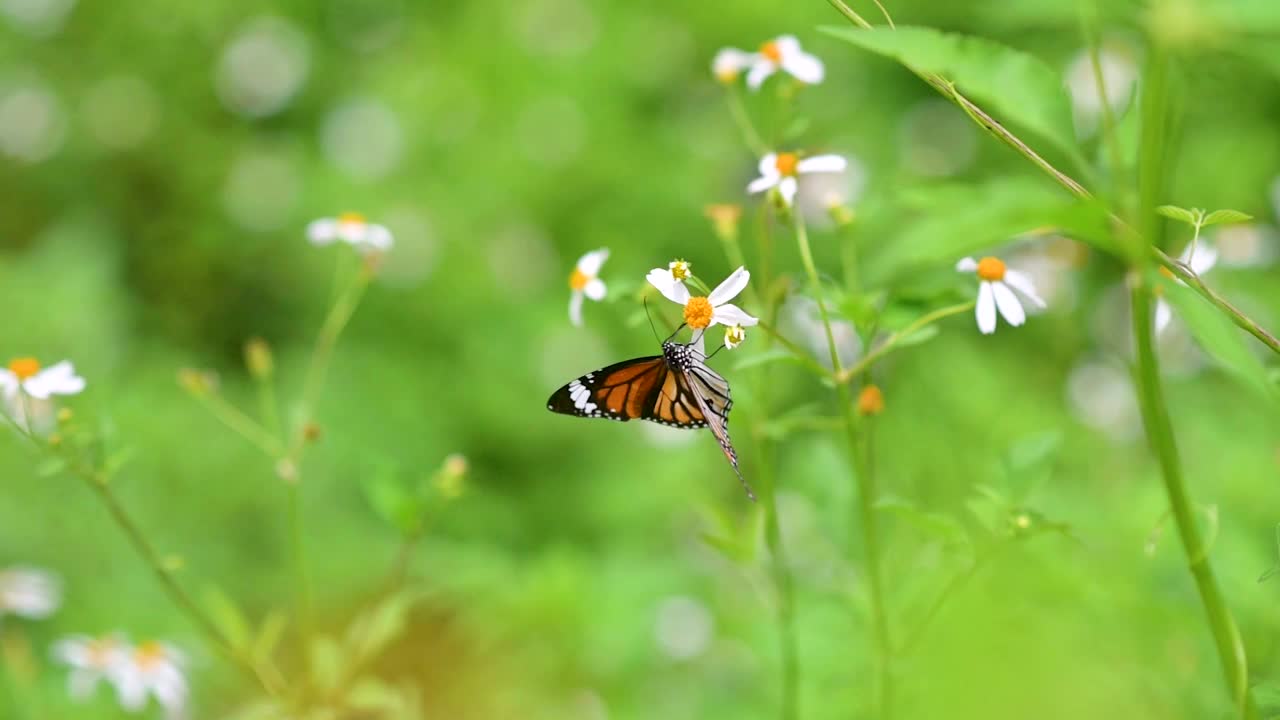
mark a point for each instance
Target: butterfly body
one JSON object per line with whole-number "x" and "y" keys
{"x": 676, "y": 388}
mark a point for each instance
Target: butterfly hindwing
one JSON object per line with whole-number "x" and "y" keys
{"x": 621, "y": 391}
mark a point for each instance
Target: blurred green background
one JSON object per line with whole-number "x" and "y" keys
{"x": 159, "y": 163}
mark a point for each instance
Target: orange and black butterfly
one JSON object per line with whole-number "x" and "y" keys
{"x": 676, "y": 388}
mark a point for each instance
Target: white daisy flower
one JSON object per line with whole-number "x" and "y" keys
{"x": 729, "y": 63}
{"x": 680, "y": 269}
{"x": 25, "y": 374}
{"x": 703, "y": 312}
{"x": 29, "y": 593}
{"x": 91, "y": 660}
{"x": 152, "y": 669}
{"x": 780, "y": 170}
{"x": 583, "y": 281}
{"x": 353, "y": 229}
{"x": 995, "y": 292}
{"x": 733, "y": 336}
{"x": 1200, "y": 261}
{"x": 784, "y": 53}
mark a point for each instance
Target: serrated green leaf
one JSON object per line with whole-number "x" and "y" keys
{"x": 1017, "y": 86}
{"x": 1222, "y": 217}
{"x": 1220, "y": 338}
{"x": 1173, "y": 212}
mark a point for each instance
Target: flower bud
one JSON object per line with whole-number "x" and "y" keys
{"x": 724, "y": 219}
{"x": 257, "y": 358}
{"x": 451, "y": 480}
{"x": 198, "y": 382}
{"x": 870, "y": 401}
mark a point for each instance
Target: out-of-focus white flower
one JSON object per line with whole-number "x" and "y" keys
{"x": 91, "y": 660}
{"x": 683, "y": 628}
{"x": 1201, "y": 258}
{"x": 152, "y": 669}
{"x": 26, "y": 389}
{"x": 583, "y": 282}
{"x": 263, "y": 67}
{"x": 729, "y": 63}
{"x": 800, "y": 320}
{"x": 781, "y": 170}
{"x": 1245, "y": 245}
{"x": 353, "y": 229}
{"x": 1119, "y": 73}
{"x": 733, "y": 336}
{"x": 995, "y": 292}
{"x": 29, "y": 593}
{"x": 1102, "y": 397}
{"x": 703, "y": 312}
{"x": 784, "y": 53}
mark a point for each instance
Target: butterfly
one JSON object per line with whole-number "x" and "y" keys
{"x": 676, "y": 388}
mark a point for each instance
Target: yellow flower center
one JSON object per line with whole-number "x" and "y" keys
{"x": 771, "y": 52}
{"x": 870, "y": 401}
{"x": 734, "y": 335}
{"x": 679, "y": 269}
{"x": 24, "y": 367}
{"x": 99, "y": 651}
{"x": 727, "y": 75}
{"x": 578, "y": 279}
{"x": 786, "y": 163}
{"x": 148, "y": 655}
{"x": 697, "y": 312}
{"x": 351, "y": 218}
{"x": 991, "y": 269}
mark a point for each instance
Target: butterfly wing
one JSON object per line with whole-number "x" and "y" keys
{"x": 710, "y": 391}
{"x": 623, "y": 391}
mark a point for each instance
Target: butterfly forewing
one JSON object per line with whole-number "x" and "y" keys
{"x": 623, "y": 391}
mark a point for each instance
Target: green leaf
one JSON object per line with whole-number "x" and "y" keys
{"x": 394, "y": 503}
{"x": 923, "y": 335}
{"x": 1019, "y": 87}
{"x": 269, "y": 634}
{"x": 50, "y": 467}
{"x": 1173, "y": 212}
{"x": 373, "y": 630}
{"x": 228, "y": 617}
{"x": 1221, "y": 339}
{"x": 943, "y": 527}
{"x": 326, "y": 657}
{"x": 1221, "y": 217}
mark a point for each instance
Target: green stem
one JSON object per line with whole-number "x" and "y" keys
{"x": 867, "y": 491}
{"x": 1152, "y": 179}
{"x": 1001, "y": 133}
{"x": 740, "y": 117}
{"x": 1109, "y": 139}
{"x": 893, "y": 340}
{"x": 240, "y": 423}
{"x": 334, "y": 323}
{"x": 800, "y": 353}
{"x": 301, "y": 573}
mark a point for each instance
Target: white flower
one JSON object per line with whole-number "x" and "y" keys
{"x": 29, "y": 592}
{"x": 680, "y": 269}
{"x": 729, "y": 63}
{"x": 25, "y": 374}
{"x": 151, "y": 669}
{"x": 733, "y": 336}
{"x": 91, "y": 660}
{"x": 703, "y": 312}
{"x": 1119, "y": 74}
{"x": 780, "y": 170}
{"x": 353, "y": 229}
{"x": 1200, "y": 261}
{"x": 583, "y": 281}
{"x": 996, "y": 292}
{"x": 784, "y": 53}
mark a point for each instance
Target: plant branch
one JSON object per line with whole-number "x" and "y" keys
{"x": 844, "y": 376}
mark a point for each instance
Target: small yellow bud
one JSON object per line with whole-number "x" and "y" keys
{"x": 1022, "y": 521}
{"x": 258, "y": 359}
{"x": 287, "y": 471}
{"x": 840, "y": 213}
{"x": 65, "y": 415}
{"x": 870, "y": 401}
{"x": 198, "y": 382}
{"x": 451, "y": 480}
{"x": 311, "y": 432}
{"x": 724, "y": 219}
{"x": 55, "y": 439}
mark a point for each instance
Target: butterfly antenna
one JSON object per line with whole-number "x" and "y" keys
{"x": 648, "y": 314}
{"x": 673, "y": 334}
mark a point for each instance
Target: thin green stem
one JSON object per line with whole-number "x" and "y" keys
{"x": 893, "y": 340}
{"x": 867, "y": 491}
{"x": 1001, "y": 133}
{"x": 334, "y": 323}
{"x": 800, "y": 353}
{"x": 301, "y": 570}
{"x": 269, "y": 408}
{"x": 1089, "y": 21}
{"x": 240, "y": 423}
{"x": 740, "y": 117}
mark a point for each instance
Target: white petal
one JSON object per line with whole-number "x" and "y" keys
{"x": 768, "y": 165}
{"x": 804, "y": 67}
{"x": 352, "y": 231}
{"x": 787, "y": 188}
{"x": 73, "y": 650}
{"x": 699, "y": 342}
{"x": 763, "y": 183}
{"x": 57, "y": 379}
{"x": 730, "y": 314}
{"x": 672, "y": 290}
{"x": 1022, "y": 283}
{"x": 130, "y": 688}
{"x": 760, "y": 72}
{"x": 81, "y": 683}
{"x": 1163, "y": 315}
{"x": 731, "y": 61}
{"x": 822, "y": 163}
{"x": 595, "y": 289}
{"x": 591, "y": 263}
{"x": 376, "y": 237}
{"x": 8, "y": 382}
{"x": 787, "y": 45}
{"x": 967, "y": 265}
{"x": 575, "y": 308}
{"x": 730, "y": 288}
{"x": 985, "y": 311}
{"x": 323, "y": 231}
{"x": 1008, "y": 304}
